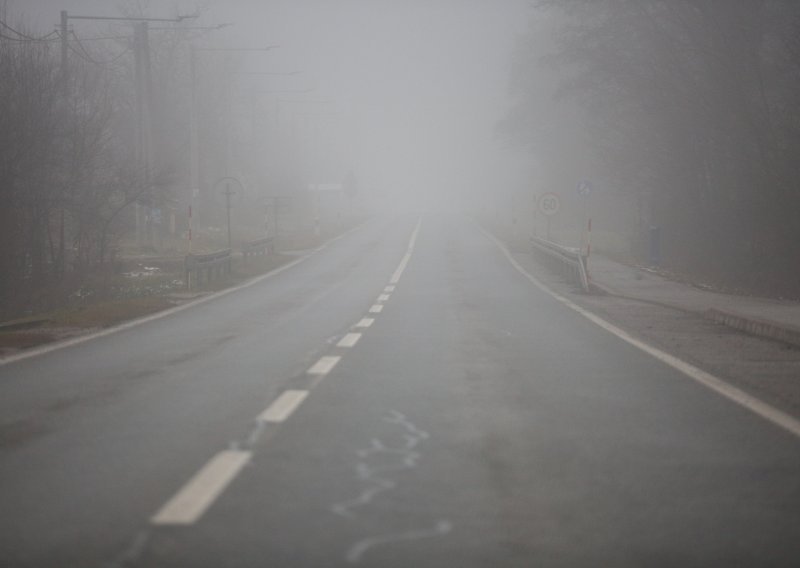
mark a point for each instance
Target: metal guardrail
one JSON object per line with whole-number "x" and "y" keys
{"x": 571, "y": 261}
{"x": 258, "y": 247}
{"x": 213, "y": 265}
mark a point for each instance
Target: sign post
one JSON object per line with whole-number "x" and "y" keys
{"x": 584, "y": 189}
{"x": 549, "y": 204}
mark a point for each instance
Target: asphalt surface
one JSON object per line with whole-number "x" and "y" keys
{"x": 477, "y": 422}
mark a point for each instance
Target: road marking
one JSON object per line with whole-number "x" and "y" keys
{"x": 708, "y": 380}
{"x": 359, "y": 549}
{"x": 376, "y": 309}
{"x": 201, "y": 491}
{"x": 365, "y": 322}
{"x": 283, "y": 406}
{"x": 407, "y": 256}
{"x": 349, "y": 340}
{"x": 383, "y": 298}
{"x": 389, "y": 288}
{"x": 412, "y": 243}
{"x": 325, "y": 365}
{"x": 399, "y": 272}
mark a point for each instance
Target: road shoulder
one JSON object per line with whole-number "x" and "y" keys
{"x": 764, "y": 369}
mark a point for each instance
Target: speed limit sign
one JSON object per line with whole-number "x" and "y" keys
{"x": 549, "y": 204}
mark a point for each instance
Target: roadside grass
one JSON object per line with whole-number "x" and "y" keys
{"x": 108, "y": 313}
{"x": 17, "y": 340}
{"x": 67, "y": 322}
{"x": 141, "y": 298}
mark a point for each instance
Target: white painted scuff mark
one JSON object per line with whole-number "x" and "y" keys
{"x": 375, "y": 477}
{"x": 131, "y": 555}
{"x": 359, "y": 549}
{"x": 371, "y": 475}
{"x": 407, "y": 455}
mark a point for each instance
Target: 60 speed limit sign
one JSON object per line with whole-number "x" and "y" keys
{"x": 549, "y": 204}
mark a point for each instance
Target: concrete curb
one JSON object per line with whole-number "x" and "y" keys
{"x": 755, "y": 326}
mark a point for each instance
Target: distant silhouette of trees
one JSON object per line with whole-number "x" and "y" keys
{"x": 71, "y": 153}
{"x": 691, "y": 109}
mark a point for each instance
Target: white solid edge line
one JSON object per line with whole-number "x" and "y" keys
{"x": 383, "y": 298}
{"x": 349, "y": 340}
{"x": 325, "y": 365}
{"x": 706, "y": 379}
{"x": 202, "y": 490}
{"x": 365, "y": 322}
{"x": 376, "y": 309}
{"x": 283, "y": 406}
{"x": 164, "y": 313}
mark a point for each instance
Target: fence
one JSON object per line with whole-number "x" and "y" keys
{"x": 213, "y": 265}
{"x": 259, "y": 247}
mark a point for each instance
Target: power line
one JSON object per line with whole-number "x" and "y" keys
{"x": 23, "y": 36}
{"x": 86, "y": 56}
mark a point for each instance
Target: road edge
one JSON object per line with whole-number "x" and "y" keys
{"x": 713, "y": 383}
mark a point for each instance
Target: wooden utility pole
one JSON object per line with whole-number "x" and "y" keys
{"x": 62, "y": 237}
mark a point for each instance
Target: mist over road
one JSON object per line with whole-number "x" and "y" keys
{"x": 402, "y": 397}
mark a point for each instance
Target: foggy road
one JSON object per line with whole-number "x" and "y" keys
{"x": 402, "y": 397}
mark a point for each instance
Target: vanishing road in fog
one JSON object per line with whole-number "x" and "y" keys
{"x": 330, "y": 416}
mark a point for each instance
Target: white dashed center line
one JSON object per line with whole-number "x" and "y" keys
{"x": 325, "y": 365}
{"x": 349, "y": 340}
{"x": 283, "y": 406}
{"x": 399, "y": 272}
{"x": 201, "y": 491}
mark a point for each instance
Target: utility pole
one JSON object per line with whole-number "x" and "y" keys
{"x": 143, "y": 89}
{"x": 194, "y": 120}
{"x": 64, "y": 53}
{"x": 62, "y": 237}
{"x": 194, "y": 140}
{"x": 147, "y": 140}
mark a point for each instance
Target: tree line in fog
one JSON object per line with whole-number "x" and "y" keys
{"x": 688, "y": 110}
{"x": 86, "y": 137}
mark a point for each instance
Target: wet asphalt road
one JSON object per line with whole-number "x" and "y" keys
{"x": 476, "y": 422}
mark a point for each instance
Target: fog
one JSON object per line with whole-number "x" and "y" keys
{"x": 413, "y": 90}
{"x": 470, "y": 105}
